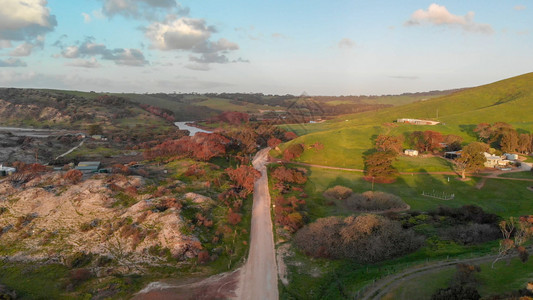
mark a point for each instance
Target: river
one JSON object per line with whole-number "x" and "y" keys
{"x": 192, "y": 130}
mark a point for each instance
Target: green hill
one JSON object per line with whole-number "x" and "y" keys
{"x": 348, "y": 137}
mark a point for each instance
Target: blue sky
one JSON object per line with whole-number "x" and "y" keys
{"x": 321, "y": 47}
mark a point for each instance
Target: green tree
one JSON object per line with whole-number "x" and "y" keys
{"x": 389, "y": 143}
{"x": 509, "y": 141}
{"x": 472, "y": 158}
{"x": 378, "y": 165}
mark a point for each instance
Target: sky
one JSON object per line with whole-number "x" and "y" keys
{"x": 280, "y": 47}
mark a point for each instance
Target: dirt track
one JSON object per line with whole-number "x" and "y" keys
{"x": 259, "y": 276}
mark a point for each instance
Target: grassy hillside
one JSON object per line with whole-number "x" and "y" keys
{"x": 348, "y": 137}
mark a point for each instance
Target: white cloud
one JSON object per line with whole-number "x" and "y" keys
{"x": 440, "y": 16}
{"x": 82, "y": 63}
{"x": 148, "y": 9}
{"x": 346, "y": 43}
{"x": 5, "y": 44}
{"x": 181, "y": 33}
{"x": 188, "y": 34}
{"x": 23, "y": 49}
{"x": 86, "y": 17}
{"x": 90, "y": 49}
{"x": 25, "y": 20}
{"x": 12, "y": 62}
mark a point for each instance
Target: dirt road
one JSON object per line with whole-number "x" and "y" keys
{"x": 259, "y": 276}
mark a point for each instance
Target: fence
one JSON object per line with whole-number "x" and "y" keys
{"x": 438, "y": 195}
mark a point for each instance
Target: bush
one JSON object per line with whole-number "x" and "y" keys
{"x": 79, "y": 259}
{"x": 73, "y": 176}
{"x": 203, "y": 257}
{"x": 467, "y": 214}
{"x": 293, "y": 151}
{"x": 338, "y": 192}
{"x": 374, "y": 201}
{"x": 288, "y": 175}
{"x": 472, "y": 233}
{"x": 456, "y": 292}
{"x": 78, "y": 276}
{"x": 365, "y": 238}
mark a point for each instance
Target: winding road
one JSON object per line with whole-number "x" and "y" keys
{"x": 259, "y": 276}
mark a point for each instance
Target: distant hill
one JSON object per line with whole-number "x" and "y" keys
{"x": 346, "y": 138}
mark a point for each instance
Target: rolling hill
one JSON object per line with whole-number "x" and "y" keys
{"x": 348, "y": 137}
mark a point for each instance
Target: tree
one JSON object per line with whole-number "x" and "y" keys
{"x": 389, "y": 143}
{"x": 427, "y": 141}
{"x": 244, "y": 178}
{"x": 378, "y": 166}
{"x": 509, "y": 141}
{"x": 472, "y": 158}
{"x": 483, "y": 131}
{"x": 525, "y": 143}
{"x": 289, "y": 135}
{"x": 515, "y": 233}
{"x": 273, "y": 142}
{"x": 453, "y": 142}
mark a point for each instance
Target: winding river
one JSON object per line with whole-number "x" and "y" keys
{"x": 192, "y": 130}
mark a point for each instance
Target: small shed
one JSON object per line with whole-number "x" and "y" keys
{"x": 4, "y": 171}
{"x": 511, "y": 156}
{"x": 452, "y": 154}
{"x": 411, "y": 152}
{"x": 89, "y": 166}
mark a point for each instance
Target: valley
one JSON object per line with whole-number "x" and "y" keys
{"x": 170, "y": 209}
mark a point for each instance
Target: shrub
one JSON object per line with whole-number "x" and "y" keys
{"x": 374, "y": 201}
{"x": 79, "y": 259}
{"x": 78, "y": 276}
{"x": 73, "y": 176}
{"x": 293, "y": 151}
{"x": 456, "y": 292}
{"x": 338, "y": 192}
{"x": 289, "y": 175}
{"x": 467, "y": 214}
{"x": 472, "y": 233}
{"x": 203, "y": 257}
{"x": 234, "y": 218}
{"x": 365, "y": 238}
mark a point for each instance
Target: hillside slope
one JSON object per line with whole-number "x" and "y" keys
{"x": 348, "y": 137}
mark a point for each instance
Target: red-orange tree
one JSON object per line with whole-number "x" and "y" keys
{"x": 243, "y": 178}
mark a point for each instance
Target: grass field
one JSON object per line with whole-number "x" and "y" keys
{"x": 226, "y": 105}
{"x": 503, "y": 278}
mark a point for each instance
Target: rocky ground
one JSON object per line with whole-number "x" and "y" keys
{"x": 48, "y": 218}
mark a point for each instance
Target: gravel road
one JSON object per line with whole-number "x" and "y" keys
{"x": 259, "y": 276}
